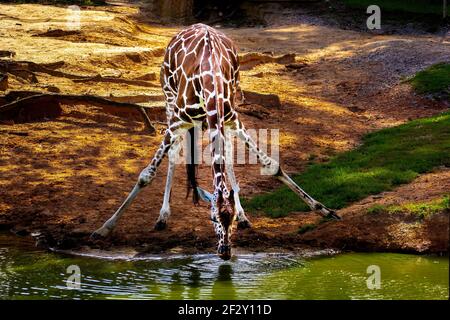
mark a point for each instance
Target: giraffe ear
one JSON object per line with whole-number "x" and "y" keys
{"x": 204, "y": 195}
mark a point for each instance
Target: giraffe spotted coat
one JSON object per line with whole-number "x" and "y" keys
{"x": 200, "y": 80}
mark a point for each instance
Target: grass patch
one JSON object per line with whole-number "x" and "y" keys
{"x": 419, "y": 209}
{"x": 433, "y": 79}
{"x": 311, "y": 226}
{"x": 307, "y": 227}
{"x": 376, "y": 209}
{"x": 385, "y": 159}
{"x": 411, "y": 6}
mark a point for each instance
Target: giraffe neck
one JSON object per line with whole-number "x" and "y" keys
{"x": 200, "y": 76}
{"x": 215, "y": 114}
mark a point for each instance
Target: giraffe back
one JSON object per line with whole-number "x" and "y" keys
{"x": 191, "y": 75}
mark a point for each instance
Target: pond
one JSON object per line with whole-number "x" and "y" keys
{"x": 30, "y": 273}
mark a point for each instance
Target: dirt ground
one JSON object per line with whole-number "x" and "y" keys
{"x": 62, "y": 177}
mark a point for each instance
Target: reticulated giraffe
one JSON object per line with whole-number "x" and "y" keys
{"x": 200, "y": 79}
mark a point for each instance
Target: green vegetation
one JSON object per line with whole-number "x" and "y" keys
{"x": 376, "y": 209}
{"x": 419, "y": 209}
{"x": 385, "y": 159}
{"x": 311, "y": 226}
{"x": 412, "y": 6}
{"x": 433, "y": 79}
{"x": 307, "y": 227}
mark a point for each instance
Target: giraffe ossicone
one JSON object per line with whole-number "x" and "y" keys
{"x": 200, "y": 81}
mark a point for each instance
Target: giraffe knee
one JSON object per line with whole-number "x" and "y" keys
{"x": 145, "y": 178}
{"x": 271, "y": 169}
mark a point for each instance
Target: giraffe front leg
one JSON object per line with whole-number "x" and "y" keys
{"x": 164, "y": 213}
{"x": 145, "y": 178}
{"x": 242, "y": 219}
{"x": 274, "y": 168}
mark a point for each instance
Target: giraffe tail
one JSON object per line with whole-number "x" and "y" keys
{"x": 192, "y": 168}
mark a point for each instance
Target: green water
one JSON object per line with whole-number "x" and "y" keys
{"x": 27, "y": 273}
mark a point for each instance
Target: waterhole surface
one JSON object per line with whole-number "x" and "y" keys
{"x": 29, "y": 273}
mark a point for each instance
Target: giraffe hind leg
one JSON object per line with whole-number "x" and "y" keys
{"x": 273, "y": 167}
{"x": 313, "y": 204}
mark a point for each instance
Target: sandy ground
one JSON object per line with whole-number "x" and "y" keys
{"x": 65, "y": 176}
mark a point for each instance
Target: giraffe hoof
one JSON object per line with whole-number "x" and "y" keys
{"x": 160, "y": 225}
{"x": 244, "y": 224}
{"x": 98, "y": 234}
{"x": 332, "y": 215}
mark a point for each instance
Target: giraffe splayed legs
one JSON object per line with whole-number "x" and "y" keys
{"x": 200, "y": 81}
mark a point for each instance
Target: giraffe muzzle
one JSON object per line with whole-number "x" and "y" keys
{"x": 224, "y": 252}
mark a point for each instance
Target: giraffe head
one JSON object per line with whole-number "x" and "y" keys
{"x": 223, "y": 214}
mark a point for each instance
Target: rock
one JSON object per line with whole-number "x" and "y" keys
{"x": 112, "y": 73}
{"x": 287, "y": 58}
{"x": 53, "y": 89}
{"x": 296, "y": 66}
{"x": 7, "y": 54}
{"x": 57, "y": 33}
{"x": 266, "y": 100}
{"x": 135, "y": 57}
{"x": 147, "y": 77}
{"x": 250, "y": 60}
{"x": 355, "y": 109}
{"x": 259, "y": 75}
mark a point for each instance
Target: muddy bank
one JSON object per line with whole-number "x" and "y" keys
{"x": 359, "y": 230}
{"x": 63, "y": 176}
